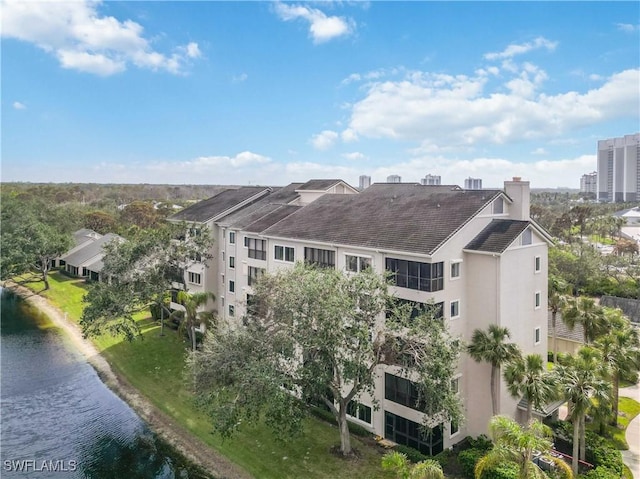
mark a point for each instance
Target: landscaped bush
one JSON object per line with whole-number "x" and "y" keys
{"x": 468, "y": 460}
{"x": 481, "y": 442}
{"x": 412, "y": 454}
{"x": 605, "y": 457}
{"x": 600, "y": 473}
{"x": 503, "y": 471}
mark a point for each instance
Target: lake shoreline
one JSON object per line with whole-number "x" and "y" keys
{"x": 159, "y": 422}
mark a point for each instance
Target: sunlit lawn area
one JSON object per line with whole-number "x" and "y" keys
{"x": 628, "y": 409}
{"x": 154, "y": 365}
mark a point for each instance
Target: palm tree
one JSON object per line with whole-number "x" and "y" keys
{"x": 398, "y": 463}
{"x": 528, "y": 377}
{"x": 191, "y": 316}
{"x": 516, "y": 444}
{"x": 580, "y": 383}
{"x": 557, "y": 301}
{"x": 586, "y": 312}
{"x": 620, "y": 349}
{"x": 490, "y": 346}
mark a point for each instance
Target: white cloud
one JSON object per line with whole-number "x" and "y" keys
{"x": 240, "y": 78}
{"x": 354, "y": 156}
{"x": 19, "y": 105}
{"x": 324, "y": 140}
{"x": 84, "y": 40}
{"x": 515, "y": 49}
{"x": 539, "y": 151}
{"x": 628, "y": 27}
{"x": 461, "y": 111}
{"x": 321, "y": 27}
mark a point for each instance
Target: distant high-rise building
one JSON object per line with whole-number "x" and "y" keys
{"x": 473, "y": 183}
{"x": 431, "y": 180}
{"x": 394, "y": 179}
{"x": 618, "y": 170}
{"x": 589, "y": 183}
{"x": 365, "y": 182}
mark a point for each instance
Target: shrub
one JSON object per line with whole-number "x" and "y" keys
{"x": 606, "y": 457}
{"x": 503, "y": 471}
{"x": 600, "y": 473}
{"x": 468, "y": 460}
{"x": 412, "y": 454}
{"x": 481, "y": 442}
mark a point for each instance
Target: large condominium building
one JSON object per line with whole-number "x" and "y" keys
{"x": 589, "y": 183}
{"x": 431, "y": 180}
{"x": 364, "y": 182}
{"x": 618, "y": 171}
{"x": 473, "y": 183}
{"x": 394, "y": 179}
{"x": 475, "y": 253}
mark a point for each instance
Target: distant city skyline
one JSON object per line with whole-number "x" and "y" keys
{"x": 273, "y": 92}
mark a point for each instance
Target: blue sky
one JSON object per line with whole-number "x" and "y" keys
{"x": 274, "y": 92}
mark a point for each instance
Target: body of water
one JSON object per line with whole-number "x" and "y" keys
{"x": 59, "y": 420}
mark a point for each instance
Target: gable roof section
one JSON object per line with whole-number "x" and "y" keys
{"x": 271, "y": 218}
{"x": 219, "y": 204}
{"x": 393, "y": 216}
{"x": 83, "y": 235}
{"x": 91, "y": 250}
{"x": 497, "y": 236}
{"x": 318, "y": 185}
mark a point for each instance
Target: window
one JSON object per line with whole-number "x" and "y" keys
{"x": 416, "y": 275}
{"x": 455, "y": 269}
{"x": 453, "y": 428}
{"x": 454, "y": 309}
{"x": 402, "y": 391}
{"x": 538, "y": 299}
{"x": 285, "y": 253}
{"x": 232, "y": 310}
{"x": 498, "y": 206}
{"x": 408, "y": 433}
{"x": 359, "y": 411}
{"x": 195, "y": 278}
{"x": 526, "y": 237}
{"x": 253, "y": 275}
{"x": 357, "y": 263}
{"x": 232, "y": 262}
{"x": 538, "y": 264}
{"x": 232, "y": 237}
{"x": 536, "y": 335}
{"x": 455, "y": 385}
{"x": 323, "y": 258}
{"x": 232, "y": 286}
{"x": 257, "y": 248}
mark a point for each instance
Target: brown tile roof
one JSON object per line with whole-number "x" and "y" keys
{"x": 218, "y": 204}
{"x": 393, "y": 216}
{"x": 497, "y": 236}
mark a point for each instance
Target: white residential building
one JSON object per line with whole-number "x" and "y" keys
{"x": 431, "y": 180}
{"x": 589, "y": 183}
{"x": 473, "y": 183}
{"x": 475, "y": 253}
{"x": 394, "y": 179}
{"x": 618, "y": 171}
{"x": 364, "y": 182}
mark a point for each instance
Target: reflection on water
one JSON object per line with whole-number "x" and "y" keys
{"x": 59, "y": 419}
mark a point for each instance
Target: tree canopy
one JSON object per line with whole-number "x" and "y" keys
{"x": 317, "y": 335}
{"x": 138, "y": 272}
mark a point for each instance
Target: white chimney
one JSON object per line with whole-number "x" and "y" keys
{"x": 518, "y": 191}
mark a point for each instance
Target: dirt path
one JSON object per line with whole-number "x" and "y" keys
{"x": 188, "y": 445}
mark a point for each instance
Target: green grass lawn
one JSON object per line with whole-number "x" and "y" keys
{"x": 154, "y": 365}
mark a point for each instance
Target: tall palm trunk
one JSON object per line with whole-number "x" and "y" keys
{"x": 583, "y": 452}
{"x": 494, "y": 393}
{"x": 554, "y": 332}
{"x": 616, "y": 398}
{"x": 576, "y": 446}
